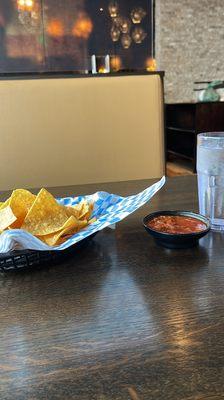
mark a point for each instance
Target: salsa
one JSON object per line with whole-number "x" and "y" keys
{"x": 176, "y": 224}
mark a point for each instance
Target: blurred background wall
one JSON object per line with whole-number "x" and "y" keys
{"x": 189, "y": 44}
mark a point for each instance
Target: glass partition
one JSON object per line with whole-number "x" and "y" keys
{"x": 62, "y": 35}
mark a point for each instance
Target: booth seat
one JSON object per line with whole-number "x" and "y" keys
{"x": 67, "y": 131}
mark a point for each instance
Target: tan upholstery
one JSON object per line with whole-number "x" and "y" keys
{"x": 57, "y": 132}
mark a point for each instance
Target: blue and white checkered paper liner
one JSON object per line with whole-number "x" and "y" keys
{"x": 108, "y": 210}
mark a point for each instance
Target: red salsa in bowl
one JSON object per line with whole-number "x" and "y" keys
{"x": 176, "y": 229}
{"x": 176, "y": 224}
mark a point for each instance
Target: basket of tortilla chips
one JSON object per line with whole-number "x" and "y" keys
{"x": 43, "y": 217}
{"x": 37, "y": 227}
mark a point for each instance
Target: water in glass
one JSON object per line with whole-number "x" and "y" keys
{"x": 210, "y": 170}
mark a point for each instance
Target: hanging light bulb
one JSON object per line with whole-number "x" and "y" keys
{"x": 117, "y": 21}
{"x": 28, "y": 13}
{"x": 126, "y": 41}
{"x": 150, "y": 64}
{"x": 29, "y": 4}
{"x": 125, "y": 25}
{"x": 55, "y": 28}
{"x": 115, "y": 33}
{"x": 25, "y": 5}
{"x": 83, "y": 26}
{"x": 21, "y": 4}
{"x": 115, "y": 63}
{"x": 138, "y": 35}
{"x": 113, "y": 9}
{"x": 137, "y": 14}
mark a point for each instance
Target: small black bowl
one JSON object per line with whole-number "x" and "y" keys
{"x": 173, "y": 240}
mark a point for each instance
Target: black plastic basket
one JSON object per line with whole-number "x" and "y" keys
{"x": 26, "y": 259}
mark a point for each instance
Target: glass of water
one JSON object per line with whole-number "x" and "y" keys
{"x": 210, "y": 170}
{"x": 100, "y": 64}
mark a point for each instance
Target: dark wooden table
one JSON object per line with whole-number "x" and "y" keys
{"x": 121, "y": 319}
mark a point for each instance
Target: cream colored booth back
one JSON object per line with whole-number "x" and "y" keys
{"x": 57, "y": 132}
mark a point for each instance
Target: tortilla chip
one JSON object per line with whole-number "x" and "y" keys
{"x": 73, "y": 211}
{"x": 4, "y": 204}
{"x": 86, "y": 210}
{"x": 45, "y": 216}
{"x": 20, "y": 202}
{"x": 6, "y": 218}
{"x": 82, "y": 211}
{"x": 72, "y": 225}
{"x": 92, "y": 220}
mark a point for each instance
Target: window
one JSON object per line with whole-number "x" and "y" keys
{"x": 61, "y": 35}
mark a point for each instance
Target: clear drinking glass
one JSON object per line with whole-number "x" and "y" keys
{"x": 210, "y": 170}
{"x": 100, "y": 64}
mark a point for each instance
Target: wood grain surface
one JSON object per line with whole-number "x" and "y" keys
{"x": 122, "y": 318}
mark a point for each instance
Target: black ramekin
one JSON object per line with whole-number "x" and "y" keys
{"x": 173, "y": 240}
